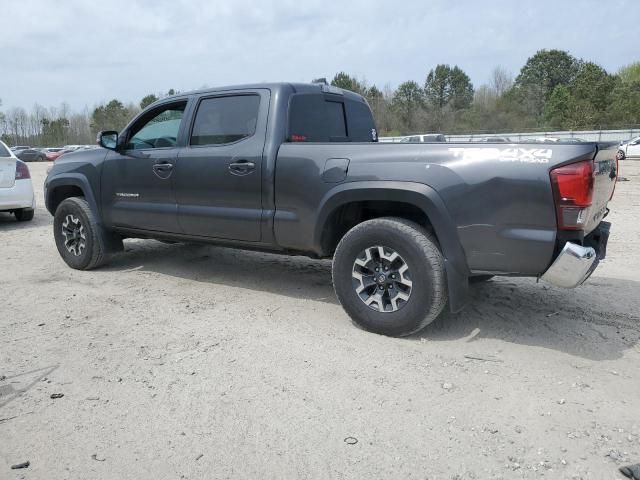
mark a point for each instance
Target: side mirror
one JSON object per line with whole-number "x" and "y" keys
{"x": 108, "y": 139}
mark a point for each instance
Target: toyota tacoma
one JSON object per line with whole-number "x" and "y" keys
{"x": 297, "y": 169}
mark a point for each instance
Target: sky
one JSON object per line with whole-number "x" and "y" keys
{"x": 86, "y": 52}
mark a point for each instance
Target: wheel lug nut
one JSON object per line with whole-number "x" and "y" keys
{"x": 390, "y": 286}
{"x": 381, "y": 287}
{"x": 377, "y": 269}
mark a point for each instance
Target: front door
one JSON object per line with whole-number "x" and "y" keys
{"x": 138, "y": 180}
{"x": 219, "y": 176}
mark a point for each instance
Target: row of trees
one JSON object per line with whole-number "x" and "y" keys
{"x": 553, "y": 90}
{"x": 57, "y": 126}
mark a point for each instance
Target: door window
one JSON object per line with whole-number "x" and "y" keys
{"x": 222, "y": 120}
{"x": 158, "y": 129}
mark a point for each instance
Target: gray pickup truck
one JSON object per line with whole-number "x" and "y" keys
{"x": 297, "y": 169}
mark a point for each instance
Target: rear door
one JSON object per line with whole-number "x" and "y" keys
{"x": 138, "y": 180}
{"x": 7, "y": 168}
{"x": 219, "y": 176}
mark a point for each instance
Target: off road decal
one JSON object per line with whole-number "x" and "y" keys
{"x": 522, "y": 155}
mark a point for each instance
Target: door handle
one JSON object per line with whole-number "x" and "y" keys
{"x": 163, "y": 167}
{"x": 242, "y": 167}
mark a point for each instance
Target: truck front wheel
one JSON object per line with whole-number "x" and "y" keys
{"x": 389, "y": 276}
{"x": 80, "y": 240}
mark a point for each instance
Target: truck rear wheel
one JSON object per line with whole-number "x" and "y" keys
{"x": 389, "y": 276}
{"x": 80, "y": 240}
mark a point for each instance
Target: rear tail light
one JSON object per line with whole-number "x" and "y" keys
{"x": 573, "y": 193}
{"x": 298, "y": 138}
{"x": 22, "y": 171}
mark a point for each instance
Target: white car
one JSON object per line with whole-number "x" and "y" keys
{"x": 16, "y": 189}
{"x": 429, "y": 138}
{"x": 630, "y": 149}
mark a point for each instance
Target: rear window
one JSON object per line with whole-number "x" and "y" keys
{"x": 337, "y": 123}
{"x": 4, "y": 151}
{"x": 361, "y": 125}
{"x": 315, "y": 118}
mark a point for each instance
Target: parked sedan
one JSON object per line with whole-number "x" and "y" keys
{"x": 16, "y": 189}
{"x": 17, "y": 148}
{"x": 31, "y": 155}
{"x": 428, "y": 138}
{"x": 494, "y": 140}
{"x": 630, "y": 149}
{"x": 52, "y": 153}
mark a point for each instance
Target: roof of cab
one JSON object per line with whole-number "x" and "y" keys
{"x": 283, "y": 87}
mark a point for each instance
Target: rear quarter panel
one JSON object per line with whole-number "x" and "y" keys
{"x": 499, "y": 196}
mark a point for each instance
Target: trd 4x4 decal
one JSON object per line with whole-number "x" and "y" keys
{"x": 523, "y": 155}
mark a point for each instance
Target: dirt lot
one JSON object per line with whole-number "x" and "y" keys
{"x": 182, "y": 361}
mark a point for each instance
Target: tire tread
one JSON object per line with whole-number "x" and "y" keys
{"x": 24, "y": 214}
{"x": 428, "y": 243}
{"x": 98, "y": 253}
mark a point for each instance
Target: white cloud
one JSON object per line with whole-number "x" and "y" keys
{"x": 86, "y": 52}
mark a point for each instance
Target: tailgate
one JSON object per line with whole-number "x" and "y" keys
{"x": 7, "y": 172}
{"x": 605, "y": 171}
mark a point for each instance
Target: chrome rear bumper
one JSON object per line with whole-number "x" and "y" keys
{"x": 576, "y": 263}
{"x": 572, "y": 267}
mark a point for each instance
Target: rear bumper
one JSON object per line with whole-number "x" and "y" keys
{"x": 18, "y": 196}
{"x": 575, "y": 263}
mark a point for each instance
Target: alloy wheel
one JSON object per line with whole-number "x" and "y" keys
{"x": 75, "y": 240}
{"x": 381, "y": 279}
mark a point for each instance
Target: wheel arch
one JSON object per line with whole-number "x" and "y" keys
{"x": 60, "y": 188}
{"x": 413, "y": 201}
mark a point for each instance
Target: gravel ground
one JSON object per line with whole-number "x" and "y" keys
{"x": 181, "y": 361}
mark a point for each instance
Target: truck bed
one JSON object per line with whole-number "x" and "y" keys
{"x": 499, "y": 197}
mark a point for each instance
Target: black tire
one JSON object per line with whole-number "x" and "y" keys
{"x": 94, "y": 252}
{"x": 620, "y": 155}
{"x": 480, "y": 278}
{"x": 24, "y": 214}
{"x": 417, "y": 249}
